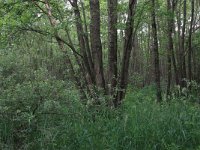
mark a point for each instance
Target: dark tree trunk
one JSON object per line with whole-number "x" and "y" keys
{"x": 87, "y": 43}
{"x": 156, "y": 54}
{"x": 73, "y": 73}
{"x": 173, "y": 57}
{"x": 112, "y": 46}
{"x": 175, "y": 68}
{"x": 96, "y": 46}
{"x": 178, "y": 50}
{"x": 170, "y": 45}
{"x": 190, "y": 42}
{"x": 82, "y": 43}
{"x": 128, "y": 44}
{"x": 182, "y": 50}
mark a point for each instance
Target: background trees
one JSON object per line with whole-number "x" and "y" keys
{"x": 89, "y": 41}
{"x": 98, "y": 45}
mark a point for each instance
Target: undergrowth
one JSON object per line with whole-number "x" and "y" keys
{"x": 139, "y": 123}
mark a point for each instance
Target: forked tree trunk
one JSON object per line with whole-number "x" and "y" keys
{"x": 83, "y": 43}
{"x": 128, "y": 44}
{"x": 86, "y": 35}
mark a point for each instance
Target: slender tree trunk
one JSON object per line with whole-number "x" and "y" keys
{"x": 128, "y": 44}
{"x": 112, "y": 45}
{"x": 178, "y": 50}
{"x": 81, "y": 69}
{"x": 96, "y": 46}
{"x": 183, "y": 64}
{"x": 82, "y": 42}
{"x": 190, "y": 42}
{"x": 173, "y": 56}
{"x": 175, "y": 68}
{"x": 87, "y": 43}
{"x": 156, "y": 54}
{"x": 170, "y": 45}
{"x": 150, "y": 70}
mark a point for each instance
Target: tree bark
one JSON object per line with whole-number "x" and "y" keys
{"x": 96, "y": 46}
{"x": 171, "y": 56}
{"x": 182, "y": 48}
{"x": 112, "y": 46}
{"x": 82, "y": 42}
{"x": 190, "y": 42}
{"x": 87, "y": 43}
{"x": 128, "y": 44}
{"x": 170, "y": 45}
{"x": 156, "y": 53}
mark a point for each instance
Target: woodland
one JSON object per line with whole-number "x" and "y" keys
{"x": 99, "y": 74}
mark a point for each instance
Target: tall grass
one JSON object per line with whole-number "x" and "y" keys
{"x": 139, "y": 124}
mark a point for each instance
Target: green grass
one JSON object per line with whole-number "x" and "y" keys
{"x": 139, "y": 124}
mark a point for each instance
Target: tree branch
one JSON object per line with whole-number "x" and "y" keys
{"x": 45, "y": 33}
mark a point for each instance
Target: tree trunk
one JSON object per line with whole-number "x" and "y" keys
{"x": 170, "y": 45}
{"x": 96, "y": 46}
{"x": 112, "y": 46}
{"x": 190, "y": 42}
{"x": 82, "y": 43}
{"x": 128, "y": 44}
{"x": 182, "y": 50}
{"x": 171, "y": 56}
{"x": 156, "y": 53}
{"x": 87, "y": 43}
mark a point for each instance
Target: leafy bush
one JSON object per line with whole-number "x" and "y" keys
{"x": 26, "y": 94}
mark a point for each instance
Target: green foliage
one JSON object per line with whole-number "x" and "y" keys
{"x": 27, "y": 94}
{"x": 60, "y": 121}
{"x": 38, "y": 110}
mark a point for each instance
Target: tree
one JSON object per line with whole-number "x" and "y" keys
{"x": 190, "y": 42}
{"x": 128, "y": 43}
{"x": 103, "y": 48}
{"x": 170, "y": 45}
{"x": 182, "y": 48}
{"x": 112, "y": 46}
{"x": 156, "y": 53}
{"x": 96, "y": 46}
{"x": 170, "y": 48}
